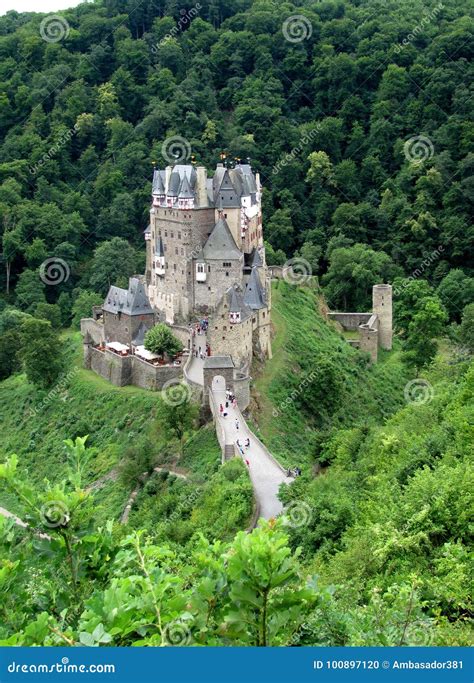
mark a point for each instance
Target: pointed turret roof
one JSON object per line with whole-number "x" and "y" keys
{"x": 256, "y": 259}
{"x": 185, "y": 191}
{"x": 158, "y": 187}
{"x": 254, "y": 296}
{"x": 220, "y": 244}
{"x": 174, "y": 183}
{"x": 235, "y": 300}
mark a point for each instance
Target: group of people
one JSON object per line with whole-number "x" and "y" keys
{"x": 295, "y": 472}
{"x": 199, "y": 353}
{"x": 201, "y": 326}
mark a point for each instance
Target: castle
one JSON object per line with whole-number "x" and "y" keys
{"x": 374, "y": 328}
{"x": 205, "y": 262}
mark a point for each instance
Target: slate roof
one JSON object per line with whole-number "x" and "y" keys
{"x": 254, "y": 296}
{"x": 131, "y": 301}
{"x": 220, "y": 244}
{"x": 185, "y": 191}
{"x": 217, "y": 362}
{"x": 256, "y": 261}
{"x": 235, "y": 299}
{"x": 239, "y": 180}
{"x": 158, "y": 186}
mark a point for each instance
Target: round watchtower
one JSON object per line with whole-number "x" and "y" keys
{"x": 382, "y": 307}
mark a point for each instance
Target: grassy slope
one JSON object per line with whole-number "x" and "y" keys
{"x": 301, "y": 332}
{"x": 34, "y": 425}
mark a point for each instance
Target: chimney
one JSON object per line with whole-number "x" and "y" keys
{"x": 201, "y": 188}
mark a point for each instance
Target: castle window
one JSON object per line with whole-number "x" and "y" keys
{"x": 225, "y": 215}
{"x": 174, "y": 268}
{"x": 176, "y": 250}
{"x": 172, "y": 235}
{"x": 227, "y": 264}
{"x": 179, "y": 235}
{"x": 227, "y": 273}
{"x": 166, "y": 233}
{"x": 208, "y": 269}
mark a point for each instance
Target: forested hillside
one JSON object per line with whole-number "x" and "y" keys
{"x": 356, "y": 114}
{"x": 322, "y": 105}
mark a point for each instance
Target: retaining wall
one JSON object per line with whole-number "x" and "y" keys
{"x": 350, "y": 321}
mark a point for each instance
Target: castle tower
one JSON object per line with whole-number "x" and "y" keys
{"x": 382, "y": 307}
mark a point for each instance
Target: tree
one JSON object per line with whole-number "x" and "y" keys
{"x": 352, "y": 273}
{"x": 9, "y": 362}
{"x": 29, "y": 290}
{"x": 177, "y": 413}
{"x": 113, "y": 263}
{"x": 456, "y": 290}
{"x": 427, "y": 324}
{"x": 12, "y": 244}
{"x": 50, "y": 312}
{"x": 160, "y": 339}
{"x": 466, "y": 328}
{"x": 82, "y": 306}
{"x": 265, "y": 596}
{"x": 40, "y": 352}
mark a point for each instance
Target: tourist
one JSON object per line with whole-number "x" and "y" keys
{"x": 247, "y": 443}
{"x": 236, "y": 423}
{"x": 247, "y": 462}
{"x": 221, "y": 408}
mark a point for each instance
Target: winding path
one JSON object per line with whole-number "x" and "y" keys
{"x": 265, "y": 473}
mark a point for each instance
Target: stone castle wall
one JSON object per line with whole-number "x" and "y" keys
{"x": 95, "y": 329}
{"x": 124, "y": 370}
{"x": 350, "y": 321}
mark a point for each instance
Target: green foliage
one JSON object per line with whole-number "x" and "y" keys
{"x": 49, "y": 312}
{"x": 466, "y": 329}
{"x": 113, "y": 263}
{"x": 160, "y": 339}
{"x": 82, "y": 306}
{"x": 40, "y": 352}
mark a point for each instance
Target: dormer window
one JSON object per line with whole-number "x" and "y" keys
{"x": 201, "y": 272}
{"x": 234, "y": 317}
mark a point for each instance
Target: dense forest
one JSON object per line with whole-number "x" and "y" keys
{"x": 356, "y": 114}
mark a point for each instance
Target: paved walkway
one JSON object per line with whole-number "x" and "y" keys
{"x": 265, "y": 474}
{"x": 196, "y": 367}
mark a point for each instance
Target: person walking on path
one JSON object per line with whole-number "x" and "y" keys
{"x": 247, "y": 443}
{"x": 247, "y": 462}
{"x": 236, "y": 423}
{"x": 221, "y": 408}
